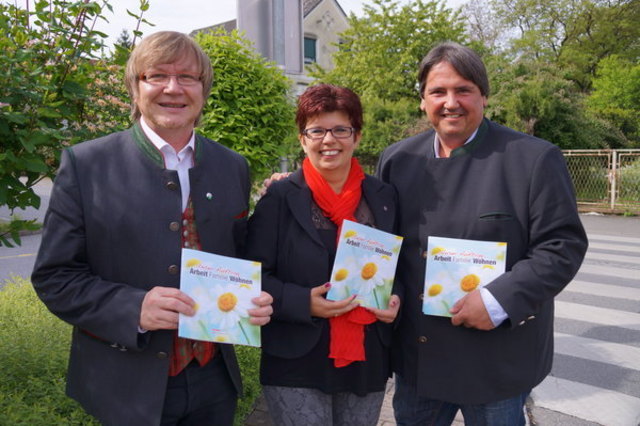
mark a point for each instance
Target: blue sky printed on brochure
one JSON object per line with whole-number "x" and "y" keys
{"x": 222, "y": 288}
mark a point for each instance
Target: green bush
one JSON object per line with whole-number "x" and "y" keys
{"x": 34, "y": 348}
{"x": 250, "y": 108}
{"x": 629, "y": 183}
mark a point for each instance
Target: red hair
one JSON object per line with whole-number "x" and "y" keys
{"x": 324, "y": 98}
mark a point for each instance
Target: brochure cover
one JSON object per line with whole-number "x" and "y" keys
{"x": 456, "y": 267}
{"x": 222, "y": 288}
{"x": 365, "y": 265}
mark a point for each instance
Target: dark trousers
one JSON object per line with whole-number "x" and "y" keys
{"x": 200, "y": 396}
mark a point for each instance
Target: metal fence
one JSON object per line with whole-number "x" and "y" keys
{"x": 606, "y": 180}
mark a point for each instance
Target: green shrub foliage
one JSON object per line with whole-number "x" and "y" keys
{"x": 250, "y": 108}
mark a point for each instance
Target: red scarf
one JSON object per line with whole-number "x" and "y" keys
{"x": 347, "y": 331}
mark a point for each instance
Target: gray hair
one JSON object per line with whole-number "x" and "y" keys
{"x": 464, "y": 60}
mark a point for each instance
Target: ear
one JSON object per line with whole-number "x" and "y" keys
{"x": 485, "y": 101}
{"x": 356, "y": 139}
{"x": 423, "y": 105}
{"x": 303, "y": 143}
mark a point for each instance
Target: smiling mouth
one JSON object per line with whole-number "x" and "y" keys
{"x": 167, "y": 105}
{"x": 330, "y": 152}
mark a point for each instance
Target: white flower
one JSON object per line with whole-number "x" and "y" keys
{"x": 373, "y": 271}
{"x": 230, "y": 304}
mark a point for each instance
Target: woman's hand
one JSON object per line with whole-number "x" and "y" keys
{"x": 323, "y": 308}
{"x": 389, "y": 314}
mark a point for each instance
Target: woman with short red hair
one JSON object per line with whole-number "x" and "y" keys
{"x": 311, "y": 371}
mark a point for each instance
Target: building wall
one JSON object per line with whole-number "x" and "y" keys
{"x": 324, "y": 23}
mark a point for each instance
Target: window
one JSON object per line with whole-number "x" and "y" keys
{"x": 310, "y": 50}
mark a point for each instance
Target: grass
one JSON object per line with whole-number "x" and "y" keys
{"x": 34, "y": 348}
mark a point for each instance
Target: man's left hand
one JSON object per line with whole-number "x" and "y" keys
{"x": 262, "y": 314}
{"x": 471, "y": 312}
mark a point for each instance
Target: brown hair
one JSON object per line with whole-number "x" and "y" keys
{"x": 464, "y": 60}
{"x": 164, "y": 47}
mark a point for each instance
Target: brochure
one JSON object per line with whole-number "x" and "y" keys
{"x": 365, "y": 265}
{"x": 456, "y": 267}
{"x": 222, "y": 288}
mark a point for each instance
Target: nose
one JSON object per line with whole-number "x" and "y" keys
{"x": 451, "y": 101}
{"x": 172, "y": 85}
{"x": 326, "y": 135}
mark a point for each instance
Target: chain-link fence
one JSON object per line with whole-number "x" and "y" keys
{"x": 606, "y": 180}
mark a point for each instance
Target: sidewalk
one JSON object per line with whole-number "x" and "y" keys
{"x": 260, "y": 414}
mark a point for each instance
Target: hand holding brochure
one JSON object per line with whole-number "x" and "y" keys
{"x": 365, "y": 265}
{"x": 222, "y": 288}
{"x": 456, "y": 267}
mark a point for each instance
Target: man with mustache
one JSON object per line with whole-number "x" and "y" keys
{"x": 470, "y": 178}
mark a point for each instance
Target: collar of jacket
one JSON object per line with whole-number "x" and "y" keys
{"x": 477, "y": 141}
{"x": 150, "y": 150}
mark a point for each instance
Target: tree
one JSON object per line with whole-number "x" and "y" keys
{"x": 122, "y": 48}
{"x": 616, "y": 96}
{"x": 380, "y": 52}
{"x": 379, "y": 57}
{"x": 250, "y": 109}
{"x": 537, "y": 100}
{"x": 573, "y": 34}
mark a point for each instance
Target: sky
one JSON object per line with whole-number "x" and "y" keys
{"x": 188, "y": 15}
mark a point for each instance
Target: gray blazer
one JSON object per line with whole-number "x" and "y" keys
{"x": 503, "y": 186}
{"x": 112, "y": 232}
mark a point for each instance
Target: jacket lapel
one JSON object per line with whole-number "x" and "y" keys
{"x": 382, "y": 213}
{"x": 299, "y": 201}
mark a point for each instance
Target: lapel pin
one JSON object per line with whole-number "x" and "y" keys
{"x": 209, "y": 196}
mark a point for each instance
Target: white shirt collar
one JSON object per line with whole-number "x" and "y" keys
{"x": 163, "y": 145}
{"x": 436, "y": 142}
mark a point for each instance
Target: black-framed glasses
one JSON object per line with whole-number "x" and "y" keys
{"x": 161, "y": 79}
{"x": 338, "y": 132}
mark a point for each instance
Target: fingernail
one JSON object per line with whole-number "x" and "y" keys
{"x": 327, "y": 285}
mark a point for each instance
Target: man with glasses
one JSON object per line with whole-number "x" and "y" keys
{"x": 470, "y": 178}
{"x": 121, "y": 209}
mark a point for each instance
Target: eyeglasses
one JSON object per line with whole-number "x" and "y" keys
{"x": 338, "y": 132}
{"x": 160, "y": 79}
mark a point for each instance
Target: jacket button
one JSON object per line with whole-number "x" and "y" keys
{"x": 531, "y": 317}
{"x": 174, "y": 226}
{"x": 422, "y": 339}
{"x": 161, "y": 355}
{"x": 173, "y": 269}
{"x": 521, "y": 322}
{"x": 171, "y": 185}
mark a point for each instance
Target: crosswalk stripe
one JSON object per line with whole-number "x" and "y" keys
{"x": 597, "y": 245}
{"x": 601, "y": 316}
{"x": 605, "y": 290}
{"x": 635, "y": 260}
{"x": 597, "y": 350}
{"x": 587, "y": 402}
{"x": 610, "y": 271}
{"x": 617, "y": 238}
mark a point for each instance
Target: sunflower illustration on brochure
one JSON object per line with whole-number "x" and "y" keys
{"x": 365, "y": 265}
{"x": 456, "y": 267}
{"x": 222, "y": 288}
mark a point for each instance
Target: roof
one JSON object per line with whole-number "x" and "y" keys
{"x": 307, "y": 8}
